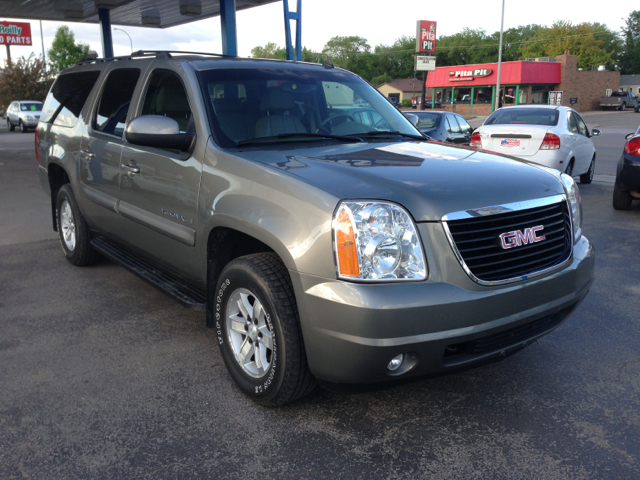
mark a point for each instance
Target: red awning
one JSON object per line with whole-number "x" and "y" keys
{"x": 513, "y": 73}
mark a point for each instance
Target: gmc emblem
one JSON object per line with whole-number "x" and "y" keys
{"x": 518, "y": 238}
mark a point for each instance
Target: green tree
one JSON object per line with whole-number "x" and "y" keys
{"x": 630, "y": 57}
{"x": 593, "y": 43}
{"x": 271, "y": 50}
{"x": 394, "y": 60}
{"x": 380, "y": 79}
{"x": 24, "y": 78}
{"x": 64, "y": 51}
{"x": 346, "y": 52}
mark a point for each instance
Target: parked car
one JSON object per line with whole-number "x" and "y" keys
{"x": 619, "y": 101}
{"x": 627, "y": 186}
{"x": 429, "y": 104}
{"x": 321, "y": 250}
{"x": 23, "y": 114}
{"x": 444, "y": 126}
{"x": 556, "y": 137}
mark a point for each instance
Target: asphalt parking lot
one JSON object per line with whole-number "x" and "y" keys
{"x": 101, "y": 376}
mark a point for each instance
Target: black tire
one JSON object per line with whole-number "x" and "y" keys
{"x": 587, "y": 178}
{"x": 23, "y": 128}
{"x": 569, "y": 169}
{"x": 624, "y": 106}
{"x": 11, "y": 126}
{"x": 621, "y": 198}
{"x": 82, "y": 253}
{"x": 287, "y": 377}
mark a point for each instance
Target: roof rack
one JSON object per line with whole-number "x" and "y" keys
{"x": 148, "y": 53}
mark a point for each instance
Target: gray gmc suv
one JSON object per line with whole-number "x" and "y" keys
{"x": 322, "y": 249}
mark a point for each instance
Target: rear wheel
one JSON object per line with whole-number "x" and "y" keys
{"x": 587, "y": 178}
{"x": 73, "y": 231}
{"x": 621, "y": 198}
{"x": 256, "y": 320}
{"x": 623, "y": 107}
{"x": 10, "y": 125}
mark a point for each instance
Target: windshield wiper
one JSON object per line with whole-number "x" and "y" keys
{"x": 313, "y": 136}
{"x": 382, "y": 134}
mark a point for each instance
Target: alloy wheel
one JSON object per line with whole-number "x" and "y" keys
{"x": 249, "y": 333}
{"x": 68, "y": 226}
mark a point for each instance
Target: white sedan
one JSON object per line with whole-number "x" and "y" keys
{"x": 552, "y": 136}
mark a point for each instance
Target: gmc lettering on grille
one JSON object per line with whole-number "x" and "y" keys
{"x": 517, "y": 238}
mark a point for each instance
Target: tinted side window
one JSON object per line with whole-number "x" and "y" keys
{"x": 67, "y": 97}
{"x": 114, "y": 102}
{"x": 466, "y": 128}
{"x": 166, "y": 96}
{"x": 455, "y": 128}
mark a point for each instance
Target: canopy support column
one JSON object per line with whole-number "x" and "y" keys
{"x": 297, "y": 16}
{"x": 105, "y": 32}
{"x": 228, "y": 27}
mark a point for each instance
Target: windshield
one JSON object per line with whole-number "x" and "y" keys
{"x": 525, "y": 116}
{"x": 273, "y": 103}
{"x": 427, "y": 120}
{"x": 31, "y": 107}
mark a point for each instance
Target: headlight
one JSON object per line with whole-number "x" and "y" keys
{"x": 575, "y": 202}
{"x": 30, "y": 118}
{"x": 377, "y": 241}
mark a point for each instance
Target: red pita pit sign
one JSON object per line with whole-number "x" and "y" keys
{"x": 15, "y": 33}
{"x": 426, "y": 37}
{"x": 465, "y": 75}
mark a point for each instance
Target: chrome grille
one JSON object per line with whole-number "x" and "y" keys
{"x": 478, "y": 245}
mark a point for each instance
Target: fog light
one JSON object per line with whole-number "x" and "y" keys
{"x": 395, "y": 363}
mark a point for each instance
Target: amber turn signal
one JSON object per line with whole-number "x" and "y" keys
{"x": 346, "y": 246}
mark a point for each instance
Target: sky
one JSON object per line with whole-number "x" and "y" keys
{"x": 377, "y": 21}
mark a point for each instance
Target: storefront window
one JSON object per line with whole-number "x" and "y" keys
{"x": 540, "y": 94}
{"x": 522, "y": 98}
{"x": 508, "y": 95}
{"x": 463, "y": 95}
{"x": 483, "y": 95}
{"x": 446, "y": 96}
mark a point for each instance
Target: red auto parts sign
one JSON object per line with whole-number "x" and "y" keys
{"x": 426, "y": 37}
{"x": 15, "y": 33}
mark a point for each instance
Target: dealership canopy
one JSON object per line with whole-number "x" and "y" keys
{"x": 148, "y": 13}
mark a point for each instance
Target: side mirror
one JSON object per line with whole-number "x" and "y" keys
{"x": 595, "y": 132}
{"x": 629, "y": 135}
{"x": 414, "y": 119}
{"x": 159, "y": 132}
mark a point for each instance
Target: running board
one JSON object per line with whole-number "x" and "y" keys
{"x": 165, "y": 282}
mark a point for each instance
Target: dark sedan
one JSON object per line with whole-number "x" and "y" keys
{"x": 443, "y": 126}
{"x": 627, "y": 186}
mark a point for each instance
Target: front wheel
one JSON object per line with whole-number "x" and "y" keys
{"x": 621, "y": 198}
{"x": 73, "y": 231}
{"x": 23, "y": 127}
{"x": 587, "y": 178}
{"x": 258, "y": 329}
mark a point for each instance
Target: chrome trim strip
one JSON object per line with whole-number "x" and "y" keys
{"x": 504, "y": 208}
{"x": 101, "y": 198}
{"x": 540, "y": 202}
{"x": 172, "y": 230}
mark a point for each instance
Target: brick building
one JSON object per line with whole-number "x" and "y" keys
{"x": 551, "y": 80}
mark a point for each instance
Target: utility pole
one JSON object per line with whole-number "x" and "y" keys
{"x": 499, "y": 60}
{"x": 8, "y": 54}
{"x": 44, "y": 58}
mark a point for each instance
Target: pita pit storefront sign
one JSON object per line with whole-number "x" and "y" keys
{"x": 466, "y": 75}
{"x": 426, "y": 36}
{"x": 15, "y": 33}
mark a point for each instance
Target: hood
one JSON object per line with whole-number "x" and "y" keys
{"x": 428, "y": 178}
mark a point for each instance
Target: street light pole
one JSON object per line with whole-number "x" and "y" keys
{"x": 130, "y": 42}
{"x": 499, "y": 60}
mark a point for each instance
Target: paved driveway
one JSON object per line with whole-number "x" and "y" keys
{"x": 101, "y": 376}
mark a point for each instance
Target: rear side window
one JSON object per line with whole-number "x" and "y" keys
{"x": 116, "y": 96}
{"x": 67, "y": 97}
{"x": 455, "y": 128}
{"x": 524, "y": 116}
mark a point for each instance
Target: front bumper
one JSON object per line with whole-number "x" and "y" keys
{"x": 352, "y": 331}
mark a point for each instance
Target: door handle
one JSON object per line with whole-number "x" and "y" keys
{"x": 131, "y": 168}
{"x": 87, "y": 153}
